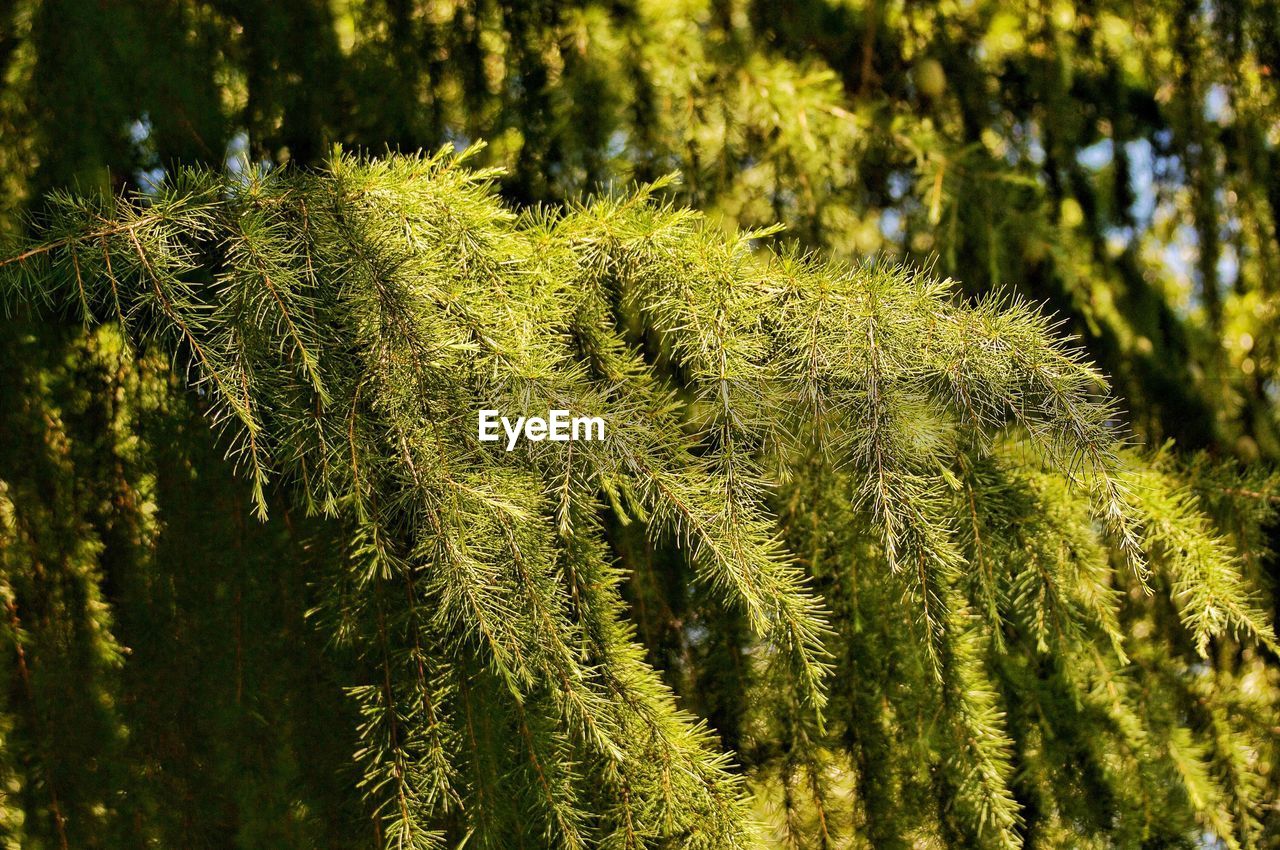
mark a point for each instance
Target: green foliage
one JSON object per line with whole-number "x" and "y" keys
{"x": 1115, "y": 159}
{"x": 896, "y": 527}
{"x": 880, "y": 539}
{"x": 159, "y": 677}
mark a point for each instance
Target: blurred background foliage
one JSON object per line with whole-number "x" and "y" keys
{"x": 1118, "y": 161}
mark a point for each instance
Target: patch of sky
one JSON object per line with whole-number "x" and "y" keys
{"x": 140, "y": 131}
{"x": 1210, "y": 841}
{"x": 1141, "y": 161}
{"x": 1228, "y": 265}
{"x": 1118, "y": 238}
{"x": 1225, "y": 199}
{"x": 899, "y": 184}
{"x": 891, "y": 225}
{"x": 150, "y": 179}
{"x": 617, "y": 144}
{"x": 1217, "y": 104}
{"x": 1142, "y": 180}
{"x": 236, "y": 160}
{"x": 1149, "y": 169}
{"x": 1026, "y": 144}
{"x": 1096, "y": 156}
{"x": 460, "y": 140}
{"x": 150, "y": 174}
{"x": 1179, "y": 257}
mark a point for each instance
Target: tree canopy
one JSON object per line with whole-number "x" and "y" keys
{"x": 1116, "y": 159}
{"x": 873, "y": 555}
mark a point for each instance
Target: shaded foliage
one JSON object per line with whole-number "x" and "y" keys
{"x": 1114, "y": 162}
{"x": 946, "y": 474}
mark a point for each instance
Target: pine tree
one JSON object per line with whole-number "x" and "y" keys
{"x": 888, "y": 537}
